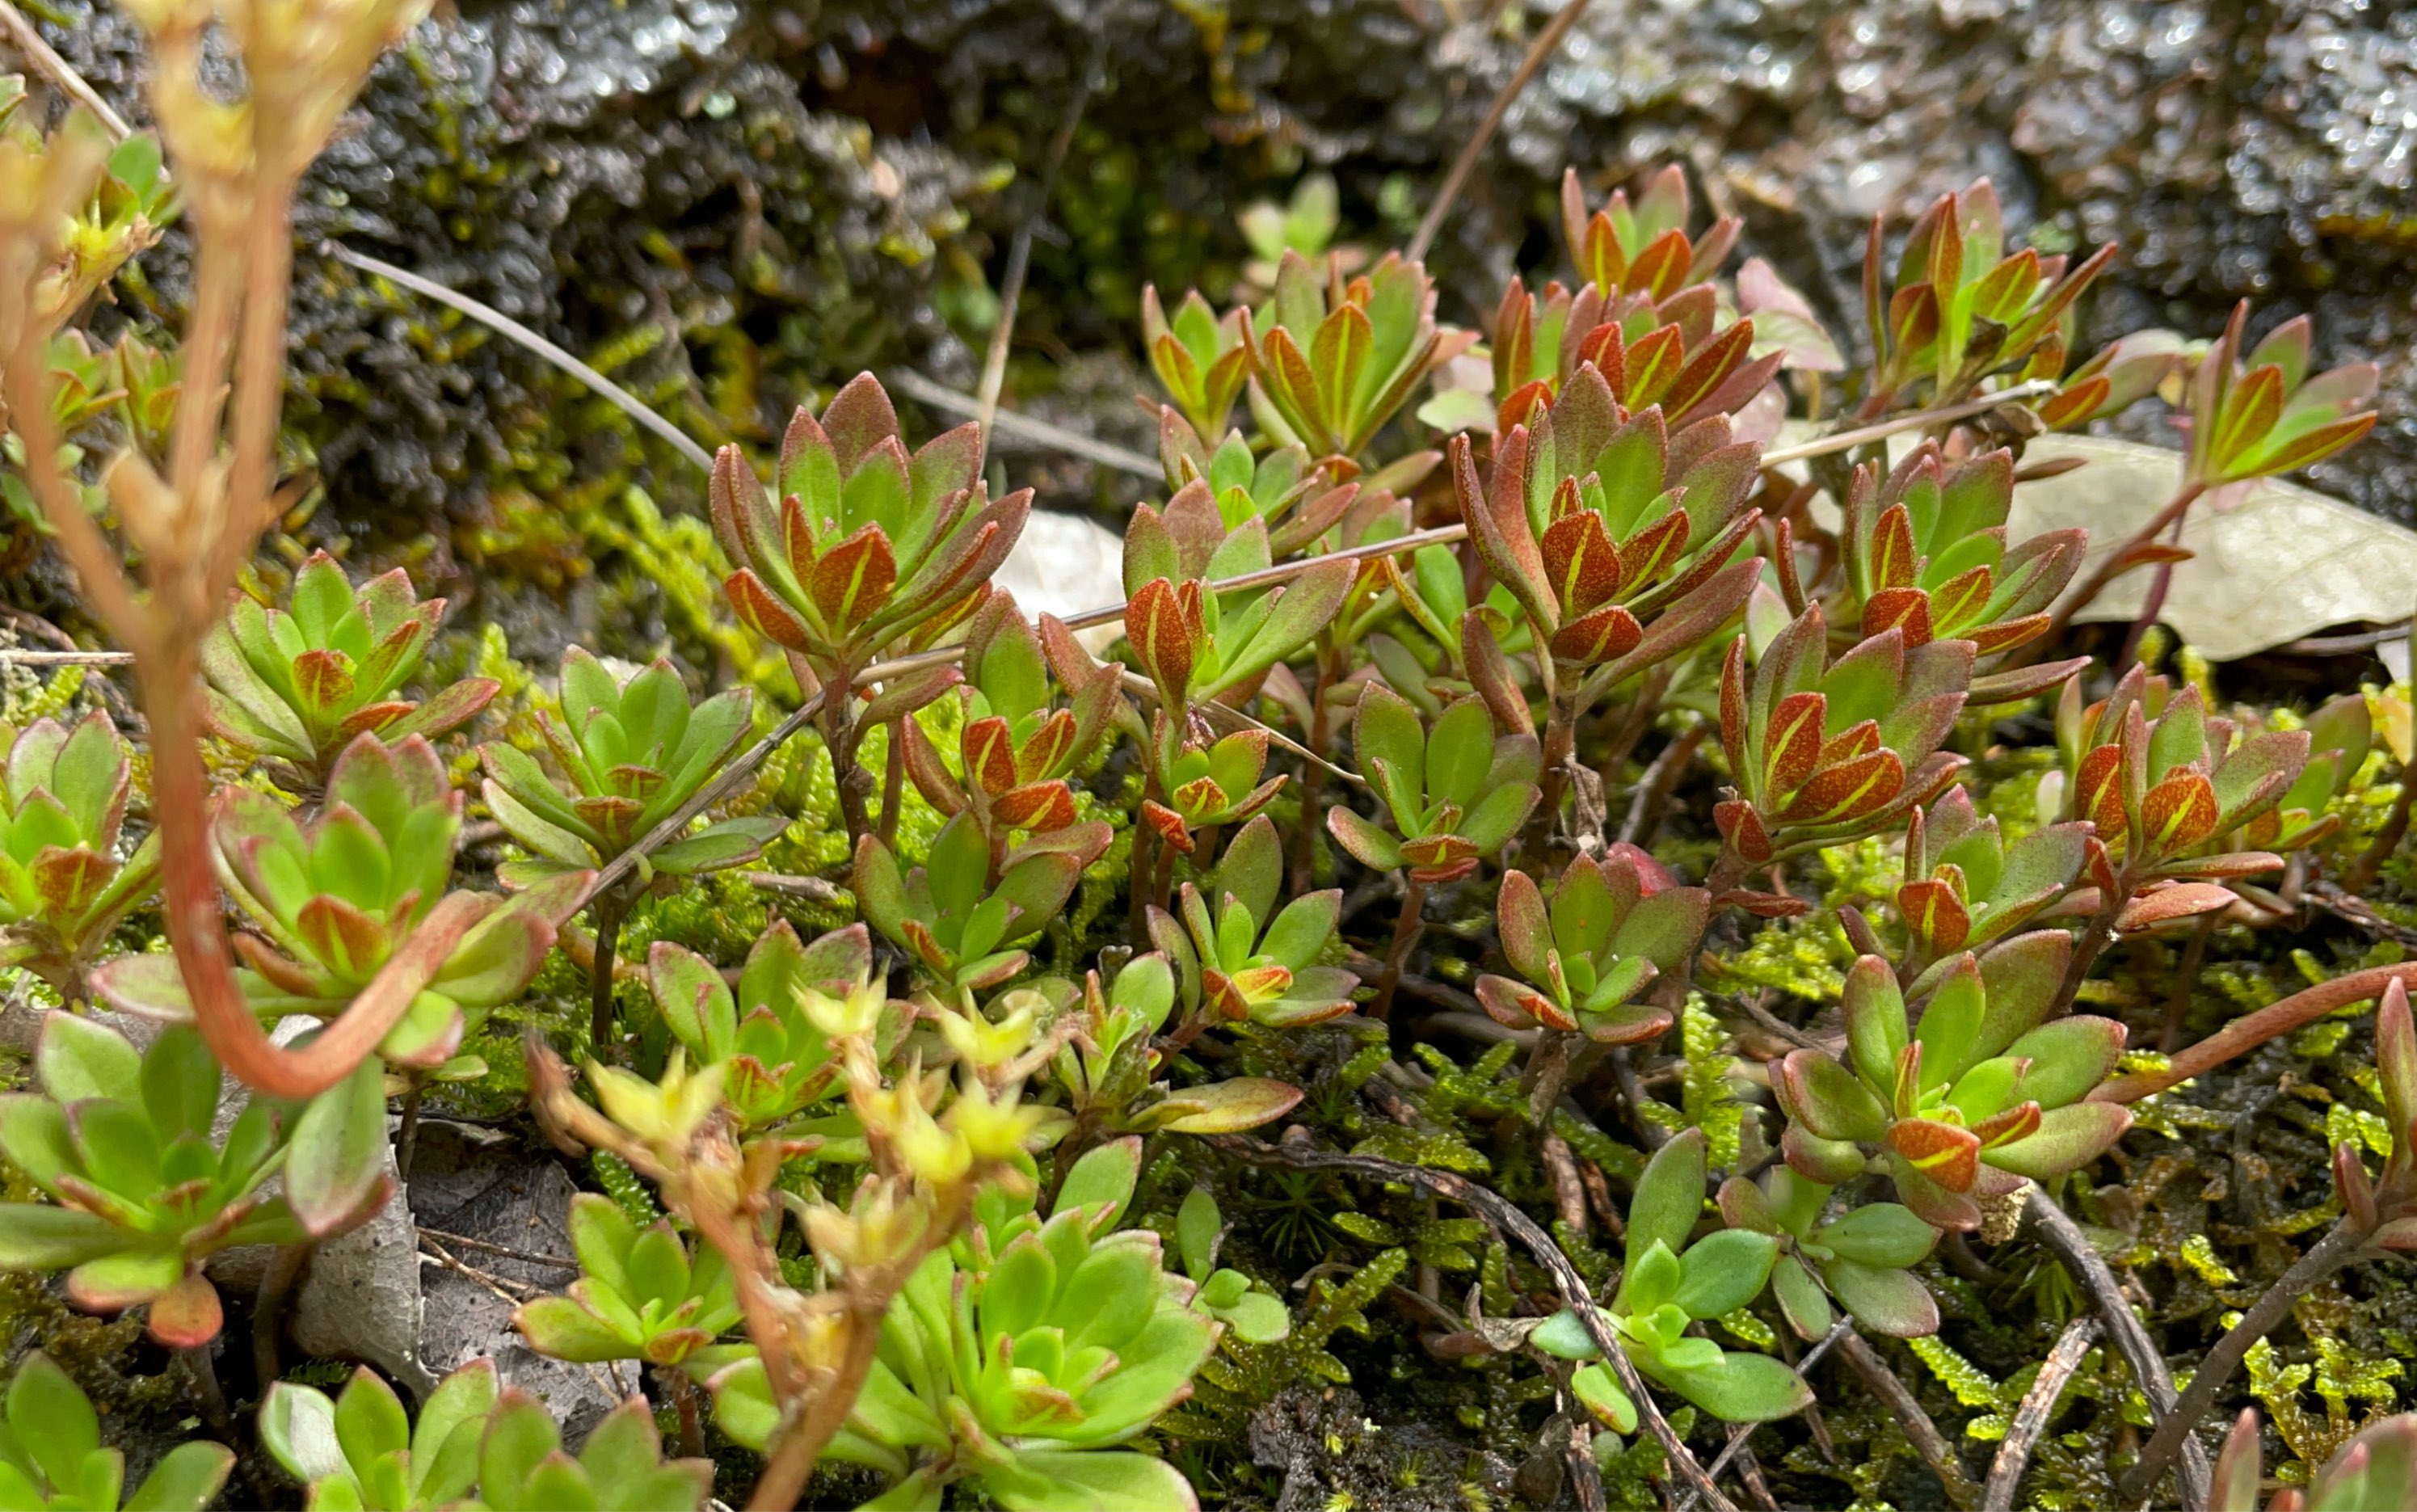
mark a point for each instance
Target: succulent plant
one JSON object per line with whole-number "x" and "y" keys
{"x": 1607, "y": 932}
{"x": 1016, "y": 746}
{"x": 859, "y": 543}
{"x": 524, "y": 1468}
{"x": 1821, "y": 751}
{"x": 1964, "y": 887}
{"x": 961, "y": 932}
{"x": 1249, "y": 1311}
{"x": 1981, "y": 1096}
{"x": 1109, "y": 1065}
{"x": 1960, "y": 307}
{"x": 2339, "y": 735}
{"x": 1021, "y": 1366}
{"x": 641, "y": 1293}
{"x": 1455, "y": 793}
{"x": 1202, "y": 360}
{"x": 630, "y": 751}
{"x": 1642, "y": 247}
{"x": 1601, "y": 522}
{"x": 777, "y": 1063}
{"x": 1335, "y": 359}
{"x": 1294, "y": 500}
{"x": 357, "y": 892}
{"x": 1663, "y": 353}
{"x": 1925, "y": 552}
{"x": 1239, "y": 957}
{"x": 121, "y": 1142}
{"x": 2376, "y": 1468}
{"x": 63, "y": 887}
{"x": 2164, "y": 784}
{"x": 52, "y": 1458}
{"x": 1863, "y": 1258}
{"x": 2262, "y": 415}
{"x": 301, "y": 682}
{"x": 1668, "y": 1285}
{"x": 361, "y": 1451}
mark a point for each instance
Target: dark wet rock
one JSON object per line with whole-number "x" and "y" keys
{"x": 735, "y": 203}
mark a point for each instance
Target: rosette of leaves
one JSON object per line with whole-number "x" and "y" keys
{"x": 1199, "y": 646}
{"x": 1203, "y": 361}
{"x": 1249, "y": 1311}
{"x": 1603, "y": 523}
{"x": 630, "y": 753}
{"x": 120, "y": 1140}
{"x": 1670, "y": 353}
{"x": 1016, "y": 745}
{"x": 857, "y": 547}
{"x": 1019, "y": 1364}
{"x": 52, "y": 1458}
{"x": 1823, "y": 750}
{"x": 2377, "y": 1467}
{"x": 358, "y": 896}
{"x": 1643, "y": 248}
{"x": 1584, "y": 958}
{"x": 1236, "y": 957}
{"x": 62, "y": 886}
{"x": 2262, "y": 415}
{"x": 2164, "y": 786}
{"x": 524, "y": 1468}
{"x": 1863, "y": 1258}
{"x": 361, "y": 1451}
{"x": 865, "y": 542}
{"x": 1335, "y": 358}
{"x": 1961, "y": 307}
{"x": 2339, "y": 736}
{"x": 1983, "y": 1095}
{"x": 1294, "y": 500}
{"x": 777, "y": 1063}
{"x": 1925, "y": 552}
{"x": 1964, "y": 887}
{"x": 1669, "y": 1286}
{"x": 1109, "y": 1065}
{"x": 641, "y": 1294}
{"x": 961, "y": 932}
{"x": 301, "y": 682}
{"x": 1453, "y": 794}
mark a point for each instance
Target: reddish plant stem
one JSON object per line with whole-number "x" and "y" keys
{"x": 2248, "y": 1032}
{"x": 1406, "y": 929}
{"x": 2112, "y": 565}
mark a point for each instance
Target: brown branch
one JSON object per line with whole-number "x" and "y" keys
{"x": 2337, "y": 1250}
{"x": 2031, "y": 1416}
{"x": 1919, "y": 1430}
{"x": 1508, "y": 1216}
{"x": 2081, "y": 1258}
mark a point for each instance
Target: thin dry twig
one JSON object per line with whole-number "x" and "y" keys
{"x": 940, "y": 396}
{"x": 1508, "y": 1216}
{"x": 1743, "y": 1431}
{"x": 507, "y": 1251}
{"x": 24, "y": 658}
{"x": 58, "y": 71}
{"x": 2058, "y": 1230}
{"x": 1919, "y": 1430}
{"x": 2031, "y": 1416}
{"x": 1548, "y": 42}
{"x": 620, "y": 398}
